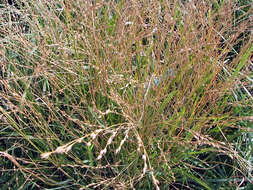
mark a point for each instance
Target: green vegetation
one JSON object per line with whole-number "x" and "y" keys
{"x": 126, "y": 94}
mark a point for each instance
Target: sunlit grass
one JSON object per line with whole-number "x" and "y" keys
{"x": 126, "y": 94}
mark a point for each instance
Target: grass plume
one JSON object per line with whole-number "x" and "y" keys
{"x": 126, "y": 94}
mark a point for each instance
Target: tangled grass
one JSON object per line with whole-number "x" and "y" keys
{"x": 126, "y": 95}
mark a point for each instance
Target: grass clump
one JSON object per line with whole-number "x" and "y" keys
{"x": 126, "y": 95}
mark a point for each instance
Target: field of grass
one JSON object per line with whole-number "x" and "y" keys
{"x": 111, "y": 94}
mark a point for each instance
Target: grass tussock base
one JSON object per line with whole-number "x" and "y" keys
{"x": 126, "y": 94}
